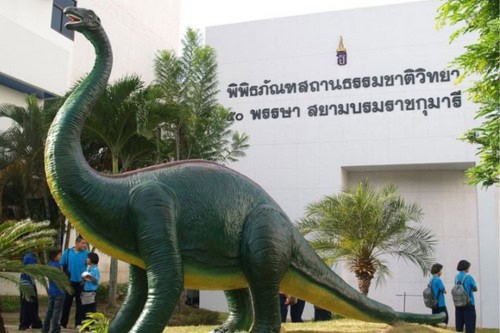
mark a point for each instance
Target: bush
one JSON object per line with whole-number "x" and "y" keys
{"x": 102, "y": 291}
{"x": 188, "y": 316}
{"x": 10, "y": 303}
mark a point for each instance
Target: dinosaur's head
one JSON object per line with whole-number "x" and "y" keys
{"x": 81, "y": 19}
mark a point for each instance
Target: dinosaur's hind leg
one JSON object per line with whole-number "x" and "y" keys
{"x": 266, "y": 255}
{"x": 134, "y": 302}
{"x": 240, "y": 312}
{"x": 153, "y": 209}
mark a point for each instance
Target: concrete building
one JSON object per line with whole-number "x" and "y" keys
{"x": 329, "y": 99}
{"x": 40, "y": 57}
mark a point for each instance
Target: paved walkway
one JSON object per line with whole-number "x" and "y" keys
{"x": 14, "y": 329}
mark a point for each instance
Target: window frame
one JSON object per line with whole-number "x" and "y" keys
{"x": 58, "y": 20}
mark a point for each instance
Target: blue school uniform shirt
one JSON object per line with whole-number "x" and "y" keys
{"x": 438, "y": 290}
{"x": 469, "y": 285}
{"x": 77, "y": 263}
{"x": 28, "y": 259}
{"x": 53, "y": 290}
{"x": 92, "y": 286}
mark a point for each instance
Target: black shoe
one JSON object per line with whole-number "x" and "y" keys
{"x": 23, "y": 328}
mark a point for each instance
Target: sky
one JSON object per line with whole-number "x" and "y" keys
{"x": 199, "y": 14}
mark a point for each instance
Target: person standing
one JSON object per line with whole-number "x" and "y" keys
{"x": 296, "y": 308}
{"x": 466, "y": 315}
{"x": 438, "y": 290}
{"x": 321, "y": 314}
{"x": 74, "y": 263}
{"x": 28, "y": 313}
{"x": 56, "y": 299}
{"x": 91, "y": 279}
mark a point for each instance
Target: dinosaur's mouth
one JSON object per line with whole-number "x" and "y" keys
{"x": 73, "y": 18}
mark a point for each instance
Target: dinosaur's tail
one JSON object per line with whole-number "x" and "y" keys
{"x": 310, "y": 279}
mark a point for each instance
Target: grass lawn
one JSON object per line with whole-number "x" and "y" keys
{"x": 338, "y": 326}
{"x": 10, "y": 314}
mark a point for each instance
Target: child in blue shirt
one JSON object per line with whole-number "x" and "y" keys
{"x": 466, "y": 315}
{"x": 438, "y": 290}
{"x": 91, "y": 279}
{"x": 56, "y": 299}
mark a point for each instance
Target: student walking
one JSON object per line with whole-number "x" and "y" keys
{"x": 466, "y": 315}
{"x": 74, "y": 263}
{"x": 91, "y": 279}
{"x": 438, "y": 290}
{"x": 56, "y": 299}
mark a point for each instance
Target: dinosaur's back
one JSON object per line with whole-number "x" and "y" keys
{"x": 213, "y": 202}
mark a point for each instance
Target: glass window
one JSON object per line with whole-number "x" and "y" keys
{"x": 59, "y": 20}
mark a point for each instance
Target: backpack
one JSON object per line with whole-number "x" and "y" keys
{"x": 459, "y": 294}
{"x": 430, "y": 300}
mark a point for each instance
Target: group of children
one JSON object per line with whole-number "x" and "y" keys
{"x": 465, "y": 316}
{"x": 85, "y": 293}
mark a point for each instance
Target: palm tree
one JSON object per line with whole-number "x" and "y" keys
{"x": 111, "y": 137}
{"x": 21, "y": 151}
{"x": 362, "y": 225}
{"x": 113, "y": 121}
{"x": 18, "y": 238}
{"x": 194, "y": 124}
{"x": 114, "y": 124}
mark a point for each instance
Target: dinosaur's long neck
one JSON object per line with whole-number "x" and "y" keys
{"x": 95, "y": 204}
{"x": 65, "y": 164}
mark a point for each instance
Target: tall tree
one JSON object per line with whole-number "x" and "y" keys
{"x": 18, "y": 238}
{"x": 21, "y": 151}
{"x": 194, "y": 124}
{"x": 113, "y": 126}
{"x": 480, "y": 61}
{"x": 362, "y": 225}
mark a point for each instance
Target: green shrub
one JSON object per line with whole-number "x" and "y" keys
{"x": 95, "y": 323}
{"x": 10, "y": 303}
{"x": 102, "y": 291}
{"x": 188, "y": 316}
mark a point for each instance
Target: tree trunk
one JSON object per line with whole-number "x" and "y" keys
{"x": 113, "y": 265}
{"x": 364, "y": 283}
{"x": 158, "y": 143}
{"x": 113, "y": 278}
{"x": 68, "y": 234}
{"x": 26, "y": 209}
{"x": 178, "y": 143}
{"x": 2, "y": 186}
{"x": 2, "y": 324}
{"x": 45, "y": 194}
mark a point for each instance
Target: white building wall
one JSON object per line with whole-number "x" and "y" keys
{"x": 32, "y": 52}
{"x": 139, "y": 30}
{"x": 35, "y": 54}
{"x": 299, "y": 160}
{"x": 8, "y": 95}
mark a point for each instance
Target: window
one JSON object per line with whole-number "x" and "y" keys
{"x": 59, "y": 20}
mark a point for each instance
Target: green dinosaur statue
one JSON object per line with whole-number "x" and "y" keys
{"x": 193, "y": 224}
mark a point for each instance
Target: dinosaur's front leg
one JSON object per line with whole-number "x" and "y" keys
{"x": 240, "y": 312}
{"x": 134, "y": 302}
{"x": 154, "y": 210}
